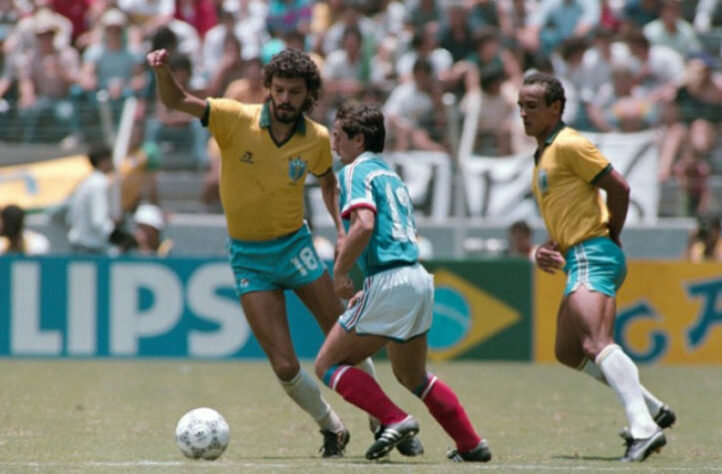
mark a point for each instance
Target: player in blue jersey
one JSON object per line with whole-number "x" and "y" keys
{"x": 395, "y": 307}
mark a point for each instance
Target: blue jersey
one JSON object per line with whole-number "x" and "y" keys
{"x": 369, "y": 182}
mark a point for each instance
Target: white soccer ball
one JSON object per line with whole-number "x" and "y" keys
{"x": 202, "y": 433}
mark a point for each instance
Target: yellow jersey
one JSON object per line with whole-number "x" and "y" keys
{"x": 262, "y": 182}
{"x": 565, "y": 172}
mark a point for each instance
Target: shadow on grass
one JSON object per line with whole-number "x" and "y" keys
{"x": 588, "y": 458}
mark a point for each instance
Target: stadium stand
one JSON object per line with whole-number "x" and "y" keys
{"x": 466, "y": 180}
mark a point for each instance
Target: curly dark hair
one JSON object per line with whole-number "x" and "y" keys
{"x": 291, "y": 64}
{"x": 554, "y": 91}
{"x": 368, "y": 120}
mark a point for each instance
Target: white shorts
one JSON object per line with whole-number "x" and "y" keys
{"x": 397, "y": 303}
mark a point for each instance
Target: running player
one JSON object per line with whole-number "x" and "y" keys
{"x": 395, "y": 307}
{"x": 584, "y": 241}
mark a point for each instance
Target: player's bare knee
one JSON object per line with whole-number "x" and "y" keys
{"x": 285, "y": 369}
{"x": 592, "y": 347}
{"x": 320, "y": 366}
{"x": 410, "y": 380}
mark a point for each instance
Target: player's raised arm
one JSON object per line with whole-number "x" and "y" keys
{"x": 171, "y": 93}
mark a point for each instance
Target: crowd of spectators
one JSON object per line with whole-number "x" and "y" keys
{"x": 627, "y": 65}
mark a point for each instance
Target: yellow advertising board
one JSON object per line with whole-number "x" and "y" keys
{"x": 44, "y": 184}
{"x": 668, "y": 312}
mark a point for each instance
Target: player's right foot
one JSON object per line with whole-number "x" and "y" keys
{"x": 665, "y": 418}
{"x": 638, "y": 449}
{"x": 481, "y": 453}
{"x": 391, "y": 436}
{"x": 334, "y": 443}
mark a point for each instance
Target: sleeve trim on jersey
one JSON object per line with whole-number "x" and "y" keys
{"x": 357, "y": 204}
{"x": 606, "y": 170}
{"x": 206, "y": 114}
{"x": 330, "y": 168}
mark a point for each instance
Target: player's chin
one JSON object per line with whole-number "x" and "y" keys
{"x": 286, "y": 116}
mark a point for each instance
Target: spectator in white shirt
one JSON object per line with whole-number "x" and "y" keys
{"x": 90, "y": 215}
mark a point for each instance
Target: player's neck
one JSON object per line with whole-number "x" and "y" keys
{"x": 282, "y": 131}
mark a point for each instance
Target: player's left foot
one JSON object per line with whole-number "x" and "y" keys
{"x": 410, "y": 446}
{"x": 334, "y": 443}
{"x": 391, "y": 436}
{"x": 481, "y": 453}
{"x": 638, "y": 449}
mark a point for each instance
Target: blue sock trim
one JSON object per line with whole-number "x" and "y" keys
{"x": 418, "y": 391}
{"x": 329, "y": 374}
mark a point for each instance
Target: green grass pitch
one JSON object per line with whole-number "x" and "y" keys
{"x": 109, "y": 416}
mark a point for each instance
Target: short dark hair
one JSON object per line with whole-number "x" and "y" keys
{"x": 180, "y": 62}
{"x": 163, "y": 37}
{"x": 520, "y": 226}
{"x": 292, "y": 64}
{"x": 423, "y": 65}
{"x": 554, "y": 91}
{"x": 365, "y": 119}
{"x": 98, "y": 153}
{"x": 13, "y": 219}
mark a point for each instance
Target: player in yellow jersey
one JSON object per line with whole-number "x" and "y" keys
{"x": 584, "y": 241}
{"x": 266, "y": 152}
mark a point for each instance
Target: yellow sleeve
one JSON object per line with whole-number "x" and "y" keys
{"x": 583, "y": 158}
{"x": 224, "y": 116}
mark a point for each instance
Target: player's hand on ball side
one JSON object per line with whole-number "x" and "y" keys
{"x": 158, "y": 58}
{"x": 548, "y": 258}
{"x": 359, "y": 294}
{"x": 342, "y": 285}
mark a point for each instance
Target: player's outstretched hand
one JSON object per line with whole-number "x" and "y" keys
{"x": 158, "y": 58}
{"x": 548, "y": 257}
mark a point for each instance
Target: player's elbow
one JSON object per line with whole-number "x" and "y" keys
{"x": 366, "y": 227}
{"x": 624, "y": 189}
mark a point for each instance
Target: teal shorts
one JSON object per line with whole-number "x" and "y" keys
{"x": 598, "y": 264}
{"x": 284, "y": 263}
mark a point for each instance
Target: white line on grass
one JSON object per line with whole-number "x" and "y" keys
{"x": 347, "y": 466}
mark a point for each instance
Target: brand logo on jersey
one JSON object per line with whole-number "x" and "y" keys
{"x": 247, "y": 157}
{"x": 296, "y": 168}
{"x": 543, "y": 181}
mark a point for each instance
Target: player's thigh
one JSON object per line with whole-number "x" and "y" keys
{"x": 567, "y": 345}
{"x": 320, "y": 298}
{"x": 266, "y": 315}
{"x": 408, "y": 360}
{"x": 590, "y": 314}
{"x": 345, "y": 347}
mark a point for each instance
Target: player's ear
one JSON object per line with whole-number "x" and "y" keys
{"x": 359, "y": 140}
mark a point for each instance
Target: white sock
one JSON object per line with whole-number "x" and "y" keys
{"x": 305, "y": 392}
{"x": 622, "y": 375}
{"x": 367, "y": 366}
{"x": 593, "y": 370}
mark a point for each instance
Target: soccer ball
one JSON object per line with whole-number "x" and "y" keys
{"x": 202, "y": 433}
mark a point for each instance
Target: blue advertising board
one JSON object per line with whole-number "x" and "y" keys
{"x": 187, "y": 307}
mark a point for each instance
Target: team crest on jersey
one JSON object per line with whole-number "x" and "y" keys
{"x": 247, "y": 157}
{"x": 296, "y": 168}
{"x": 543, "y": 181}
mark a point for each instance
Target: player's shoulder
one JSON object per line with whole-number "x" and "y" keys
{"x": 233, "y": 106}
{"x": 570, "y": 139}
{"x": 315, "y": 129}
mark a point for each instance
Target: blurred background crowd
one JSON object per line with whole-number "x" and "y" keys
{"x": 68, "y": 67}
